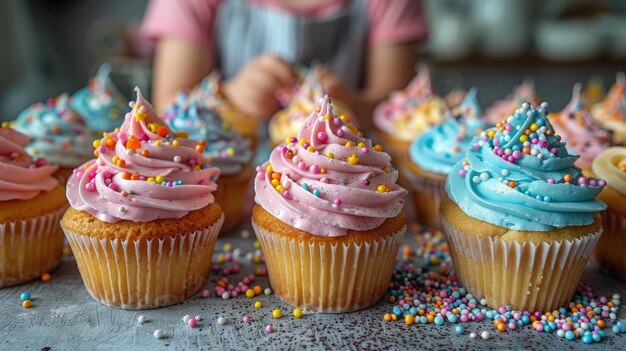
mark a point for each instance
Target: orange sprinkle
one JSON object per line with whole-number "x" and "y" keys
{"x": 257, "y": 290}
{"x": 200, "y": 148}
{"x": 126, "y": 175}
{"x": 121, "y": 163}
{"x": 567, "y": 178}
{"x": 46, "y": 277}
{"x": 512, "y": 184}
{"x": 163, "y": 131}
{"x": 145, "y": 153}
{"x": 134, "y": 177}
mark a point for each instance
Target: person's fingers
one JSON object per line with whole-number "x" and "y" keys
{"x": 264, "y": 82}
{"x": 280, "y": 69}
{"x": 255, "y": 104}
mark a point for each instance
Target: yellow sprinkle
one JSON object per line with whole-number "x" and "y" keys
{"x": 344, "y": 118}
{"x": 150, "y": 180}
{"x": 258, "y": 305}
{"x": 409, "y": 319}
{"x": 288, "y": 140}
{"x": 27, "y": 303}
{"x": 353, "y": 160}
{"x": 115, "y": 159}
{"x": 330, "y": 155}
{"x": 96, "y": 143}
{"x": 387, "y": 169}
{"x": 277, "y": 313}
{"x": 280, "y": 188}
{"x": 297, "y": 312}
{"x": 349, "y": 144}
{"x": 140, "y": 116}
{"x": 269, "y": 168}
{"x": 310, "y": 148}
{"x": 257, "y": 244}
{"x": 176, "y": 143}
{"x": 275, "y": 182}
{"x": 249, "y": 293}
{"x": 361, "y": 144}
{"x": 382, "y": 188}
{"x": 230, "y": 151}
{"x": 5, "y": 124}
{"x": 523, "y": 138}
{"x": 159, "y": 179}
{"x": 534, "y": 127}
{"x": 96, "y": 153}
{"x": 491, "y": 133}
{"x": 157, "y": 143}
{"x": 303, "y": 140}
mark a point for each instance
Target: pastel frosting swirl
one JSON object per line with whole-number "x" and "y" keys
{"x": 525, "y": 92}
{"x": 21, "y": 177}
{"x": 584, "y": 135}
{"x": 611, "y": 112}
{"x": 225, "y": 149}
{"x": 143, "y": 171}
{"x": 409, "y": 112}
{"x": 611, "y": 165}
{"x": 330, "y": 179}
{"x": 100, "y": 102}
{"x": 438, "y": 149}
{"x": 519, "y": 175}
{"x": 57, "y": 132}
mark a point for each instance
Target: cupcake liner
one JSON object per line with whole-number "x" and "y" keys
{"x": 231, "y": 195}
{"x": 427, "y": 195}
{"x": 29, "y": 248}
{"x": 525, "y": 276}
{"x": 145, "y": 273}
{"x": 325, "y": 276}
{"x": 612, "y": 245}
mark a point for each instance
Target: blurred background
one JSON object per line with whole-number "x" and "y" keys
{"x": 55, "y": 46}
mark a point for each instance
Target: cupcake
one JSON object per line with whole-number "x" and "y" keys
{"x": 288, "y": 121}
{"x": 583, "y": 134}
{"x": 328, "y": 216}
{"x": 611, "y": 166}
{"x": 433, "y": 154}
{"x": 100, "y": 102}
{"x": 225, "y": 149}
{"x": 407, "y": 114}
{"x": 521, "y": 220}
{"x": 210, "y": 93}
{"x": 508, "y": 105}
{"x": 611, "y": 112}
{"x": 143, "y": 221}
{"x": 58, "y": 133}
{"x": 31, "y": 204}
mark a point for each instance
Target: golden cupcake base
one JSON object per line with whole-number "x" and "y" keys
{"x": 231, "y": 195}
{"x": 427, "y": 190}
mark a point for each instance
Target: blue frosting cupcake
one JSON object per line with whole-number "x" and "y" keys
{"x": 440, "y": 148}
{"x": 100, "y": 103}
{"x": 519, "y": 175}
{"x": 57, "y": 132}
{"x": 226, "y": 149}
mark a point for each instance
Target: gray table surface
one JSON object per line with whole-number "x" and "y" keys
{"x": 65, "y": 317}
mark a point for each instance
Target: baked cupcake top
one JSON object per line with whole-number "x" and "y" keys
{"x": 525, "y": 92}
{"x": 438, "y": 149}
{"x": 22, "y": 177}
{"x": 225, "y": 149}
{"x": 57, "y": 132}
{"x": 584, "y": 136}
{"x": 330, "y": 179}
{"x": 611, "y": 112}
{"x": 611, "y": 165}
{"x": 100, "y": 102}
{"x": 143, "y": 171}
{"x": 519, "y": 175}
{"x": 409, "y": 112}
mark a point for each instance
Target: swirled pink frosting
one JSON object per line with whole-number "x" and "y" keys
{"x": 506, "y": 107}
{"x": 143, "y": 172}
{"x": 584, "y": 135}
{"x": 21, "y": 177}
{"x": 330, "y": 179}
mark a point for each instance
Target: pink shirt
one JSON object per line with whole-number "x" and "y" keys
{"x": 390, "y": 21}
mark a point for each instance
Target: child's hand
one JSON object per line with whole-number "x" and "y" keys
{"x": 252, "y": 90}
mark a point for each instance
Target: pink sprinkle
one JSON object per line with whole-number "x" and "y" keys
{"x": 282, "y": 149}
{"x": 102, "y": 149}
{"x": 554, "y": 150}
{"x": 206, "y": 293}
{"x": 306, "y": 145}
{"x": 112, "y": 186}
{"x": 293, "y": 140}
{"x": 499, "y": 152}
{"x": 144, "y": 137}
{"x": 462, "y": 173}
{"x": 517, "y": 154}
{"x": 511, "y": 159}
{"x": 192, "y": 161}
{"x": 550, "y": 181}
{"x": 122, "y": 135}
{"x": 192, "y": 323}
{"x": 107, "y": 174}
{"x": 246, "y": 319}
{"x": 534, "y": 141}
{"x": 365, "y": 150}
{"x": 508, "y": 127}
{"x": 244, "y": 287}
{"x": 337, "y": 202}
{"x": 40, "y": 162}
{"x": 340, "y": 132}
{"x": 504, "y": 157}
{"x": 90, "y": 186}
{"x": 314, "y": 169}
{"x": 92, "y": 174}
{"x": 246, "y": 280}
{"x": 269, "y": 328}
{"x": 260, "y": 176}
{"x": 496, "y": 142}
{"x": 602, "y": 183}
{"x": 287, "y": 194}
{"x": 301, "y": 165}
{"x": 203, "y": 182}
{"x": 321, "y": 136}
{"x": 593, "y": 182}
{"x": 464, "y": 318}
{"x": 583, "y": 181}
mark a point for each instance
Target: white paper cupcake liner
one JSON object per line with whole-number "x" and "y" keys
{"x": 427, "y": 196}
{"x": 525, "y": 276}
{"x": 329, "y": 277}
{"x": 29, "y": 248}
{"x": 611, "y": 249}
{"x": 144, "y": 274}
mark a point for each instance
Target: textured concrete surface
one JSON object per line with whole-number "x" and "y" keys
{"x": 65, "y": 317}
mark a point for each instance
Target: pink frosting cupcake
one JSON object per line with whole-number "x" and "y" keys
{"x": 507, "y": 106}
{"x": 329, "y": 191}
{"x": 143, "y": 214}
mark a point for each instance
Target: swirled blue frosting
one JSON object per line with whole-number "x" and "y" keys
{"x": 227, "y": 150}
{"x": 102, "y": 106}
{"x": 440, "y": 148}
{"x": 519, "y": 175}
{"x": 57, "y": 132}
